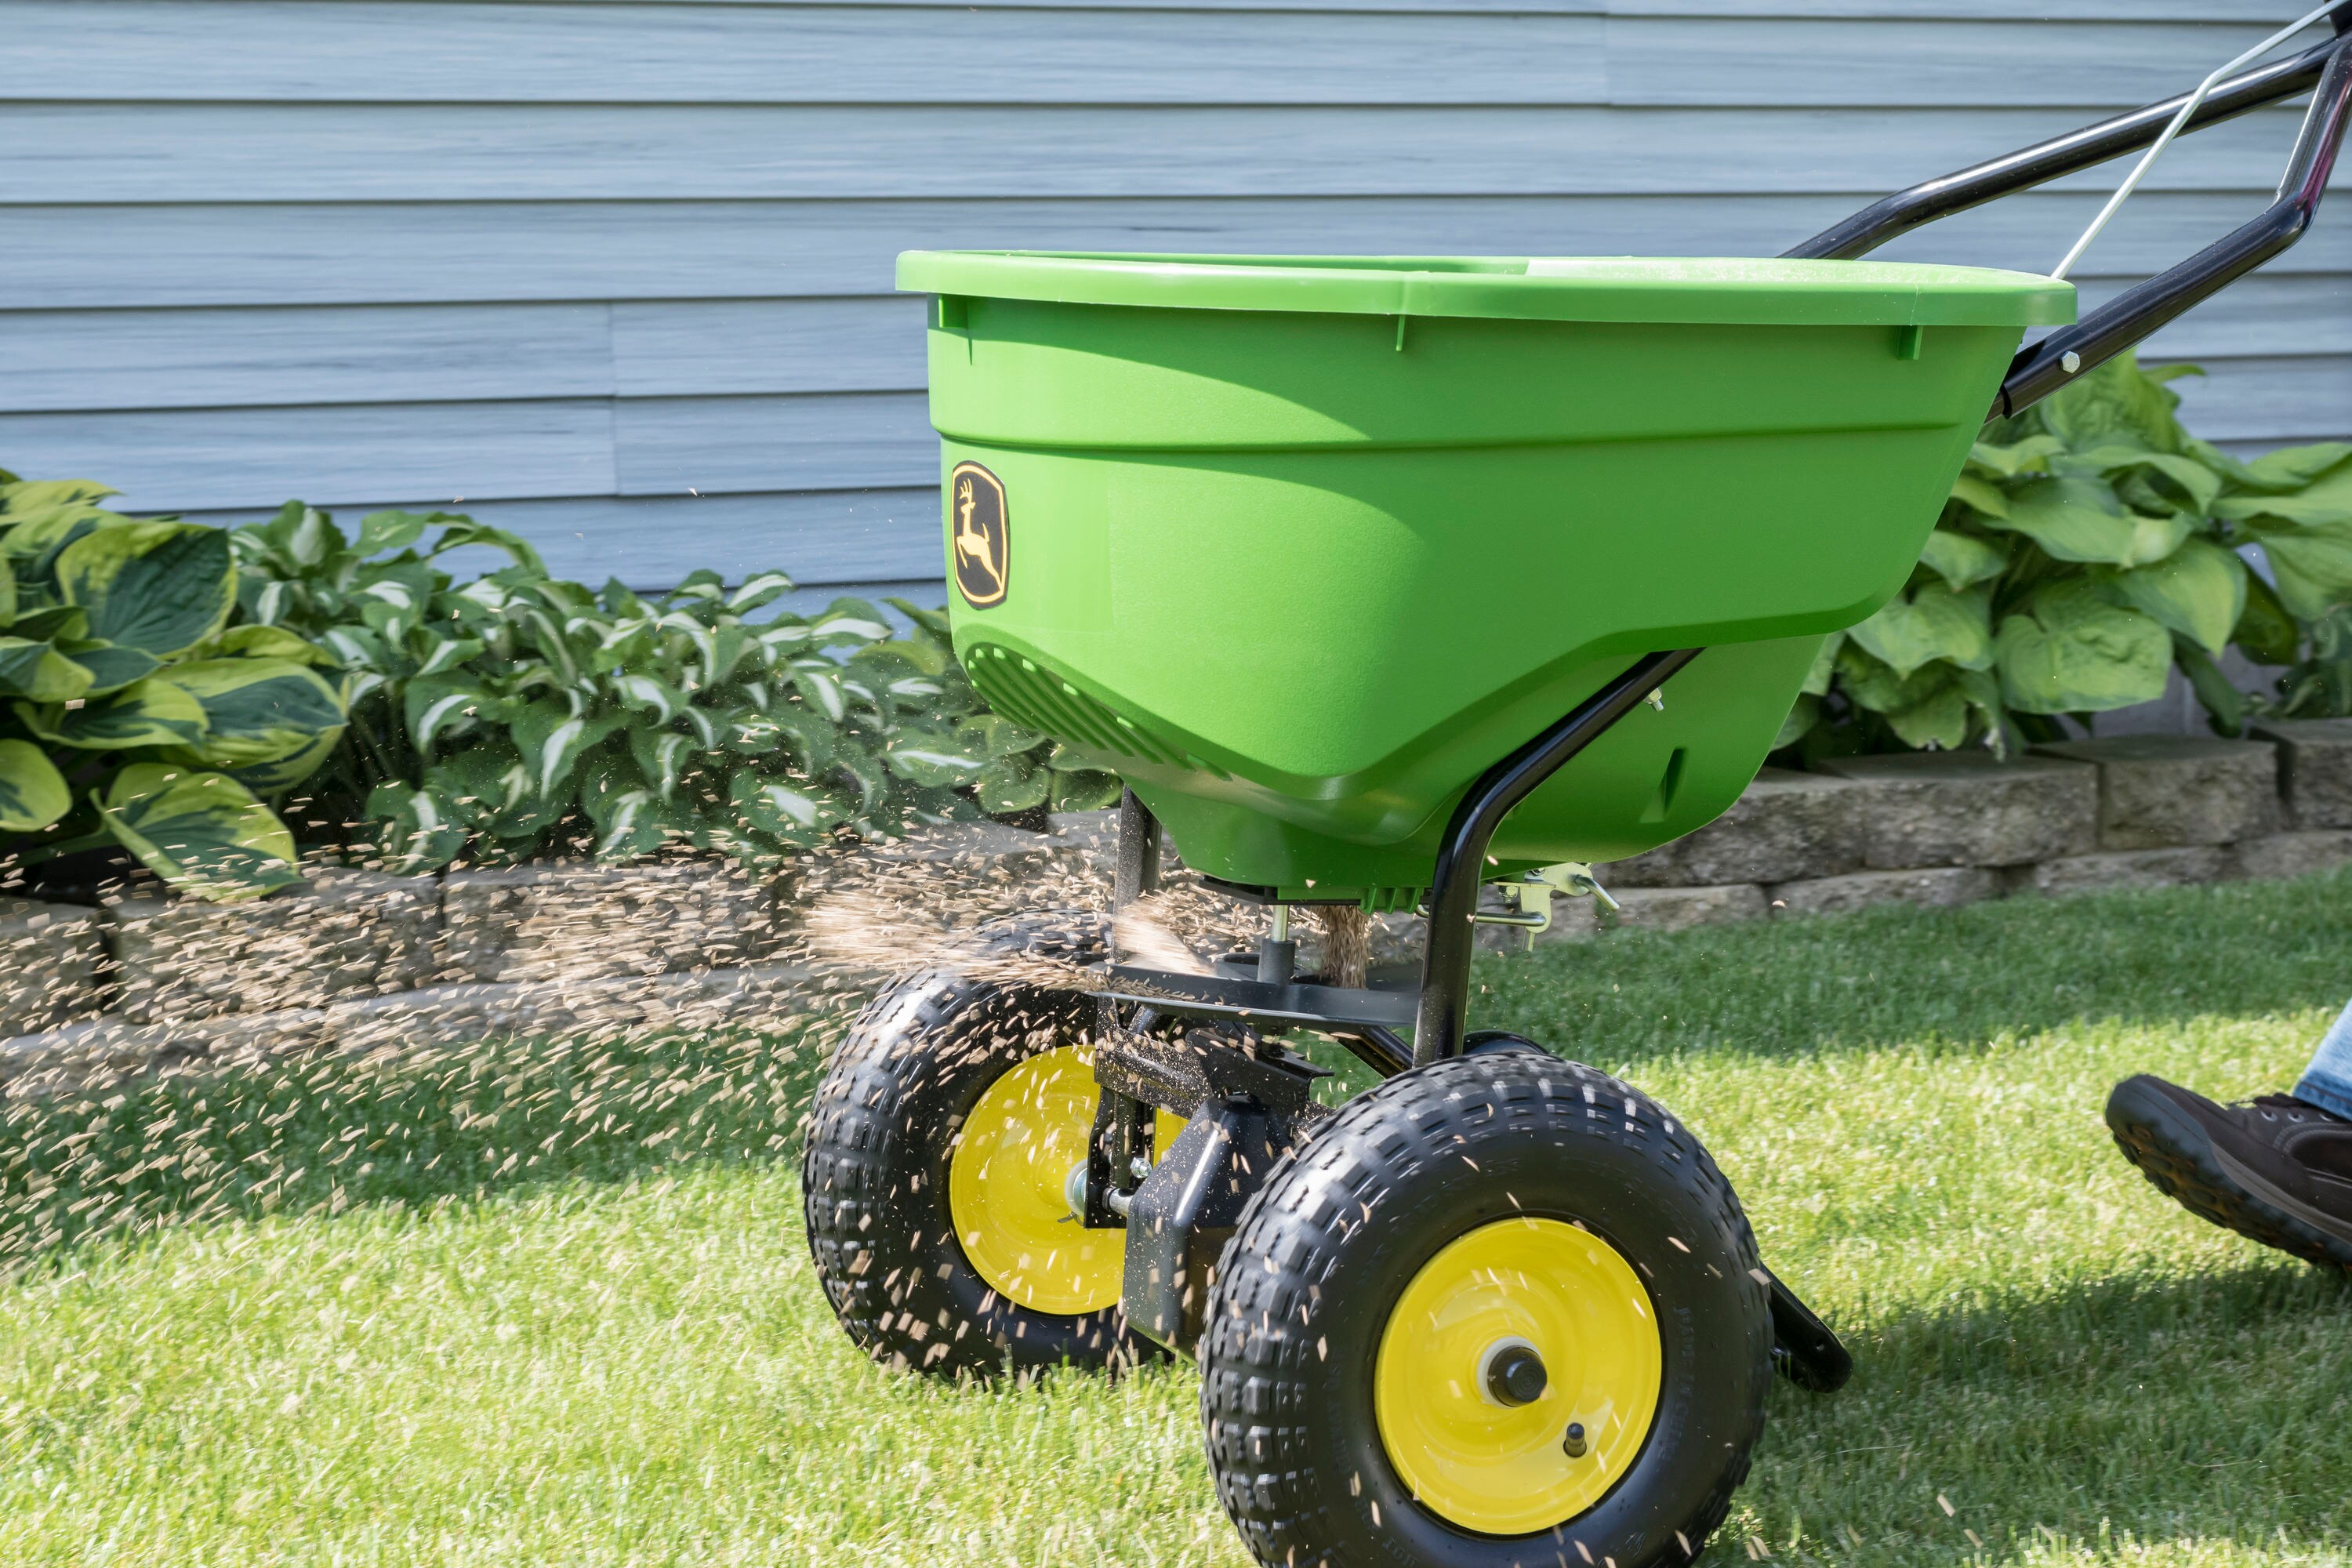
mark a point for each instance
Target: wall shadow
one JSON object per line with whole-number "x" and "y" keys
{"x": 1932, "y": 977}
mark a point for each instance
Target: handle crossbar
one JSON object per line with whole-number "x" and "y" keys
{"x": 2047, "y": 365}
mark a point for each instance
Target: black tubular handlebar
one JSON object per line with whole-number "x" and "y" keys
{"x": 2045, "y": 366}
{"x": 1899, "y": 213}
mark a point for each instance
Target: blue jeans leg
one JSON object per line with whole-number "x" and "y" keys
{"x": 2328, "y": 1081}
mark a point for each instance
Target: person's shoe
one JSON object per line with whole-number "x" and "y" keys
{"x": 2276, "y": 1169}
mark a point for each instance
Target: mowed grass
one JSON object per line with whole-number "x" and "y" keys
{"x": 565, "y": 1314}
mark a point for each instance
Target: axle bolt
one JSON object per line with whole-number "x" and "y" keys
{"x": 1574, "y": 1445}
{"x": 1515, "y": 1376}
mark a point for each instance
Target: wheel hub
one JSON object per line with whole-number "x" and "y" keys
{"x": 1518, "y": 1376}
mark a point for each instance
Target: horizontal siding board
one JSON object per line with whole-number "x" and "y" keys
{"x": 60, "y": 359}
{"x": 437, "y": 252}
{"x": 686, "y": 347}
{"x": 2270, "y": 400}
{"x": 179, "y": 461}
{"x": 334, "y": 153}
{"x": 56, "y": 360}
{"x": 667, "y": 445}
{"x": 837, "y": 541}
{"x": 300, "y": 51}
{"x": 303, "y": 51}
{"x": 1909, "y": 60}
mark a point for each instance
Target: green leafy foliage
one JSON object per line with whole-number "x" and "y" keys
{"x": 514, "y": 714}
{"x": 2091, "y": 545}
{"x": 131, "y": 712}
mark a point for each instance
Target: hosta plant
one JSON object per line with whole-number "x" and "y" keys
{"x": 2090, "y": 545}
{"x": 135, "y": 713}
{"x": 515, "y": 714}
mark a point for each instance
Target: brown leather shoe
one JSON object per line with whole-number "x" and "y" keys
{"x": 2274, "y": 1168}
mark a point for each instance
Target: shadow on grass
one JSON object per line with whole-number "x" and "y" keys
{"x": 2202, "y": 1406}
{"x": 1949, "y": 977}
{"x": 423, "y": 1129}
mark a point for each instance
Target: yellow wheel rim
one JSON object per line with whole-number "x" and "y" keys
{"x": 1009, "y": 1187}
{"x": 1492, "y": 1467}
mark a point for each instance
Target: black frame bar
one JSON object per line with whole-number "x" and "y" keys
{"x": 1461, "y": 858}
{"x": 2043, "y": 367}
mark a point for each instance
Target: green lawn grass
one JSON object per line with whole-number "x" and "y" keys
{"x": 535, "y": 1305}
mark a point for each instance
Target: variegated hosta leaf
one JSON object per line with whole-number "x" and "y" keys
{"x": 150, "y": 713}
{"x": 33, "y": 668}
{"x": 279, "y": 775}
{"x": 1084, "y": 789}
{"x": 850, "y": 621}
{"x": 993, "y": 736}
{"x": 794, "y": 811}
{"x": 934, "y": 758}
{"x": 159, "y": 587}
{"x": 33, "y": 793}
{"x": 438, "y": 707}
{"x": 202, "y": 831}
{"x": 758, "y": 591}
{"x": 255, "y": 710}
{"x": 658, "y": 699}
{"x": 438, "y": 655}
{"x": 663, "y": 757}
{"x": 820, "y": 684}
{"x": 552, "y": 739}
{"x": 1012, "y": 783}
{"x": 266, "y": 642}
{"x": 421, "y": 831}
{"x": 23, "y": 499}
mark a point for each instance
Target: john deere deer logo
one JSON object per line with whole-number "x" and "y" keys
{"x": 978, "y": 546}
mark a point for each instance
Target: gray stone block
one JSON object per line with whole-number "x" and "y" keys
{"x": 752, "y": 998}
{"x": 1679, "y": 908}
{"x": 2158, "y": 792}
{"x": 341, "y": 933}
{"x": 53, "y": 965}
{"x": 2315, "y": 758}
{"x": 577, "y": 921}
{"x": 2114, "y": 870}
{"x": 80, "y": 1058}
{"x": 2280, "y": 855}
{"x": 1967, "y": 809}
{"x": 1937, "y": 886}
{"x": 1785, "y": 825}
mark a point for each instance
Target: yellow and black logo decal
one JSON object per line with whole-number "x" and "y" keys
{"x": 979, "y": 539}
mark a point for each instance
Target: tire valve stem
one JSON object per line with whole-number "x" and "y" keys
{"x": 1573, "y": 1445}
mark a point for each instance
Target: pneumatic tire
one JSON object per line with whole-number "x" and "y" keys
{"x": 943, "y": 1067}
{"x": 1495, "y": 1206}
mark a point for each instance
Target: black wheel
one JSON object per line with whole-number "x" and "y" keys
{"x": 1502, "y": 1310}
{"x": 937, "y": 1180}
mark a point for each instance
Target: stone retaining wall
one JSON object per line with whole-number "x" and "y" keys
{"x": 1942, "y": 829}
{"x": 360, "y": 960}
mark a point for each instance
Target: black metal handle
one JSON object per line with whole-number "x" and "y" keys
{"x": 1893, "y": 217}
{"x": 2051, "y": 363}
{"x": 1461, "y": 858}
{"x": 2043, "y": 368}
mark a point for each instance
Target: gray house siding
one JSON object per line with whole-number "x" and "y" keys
{"x": 619, "y": 274}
